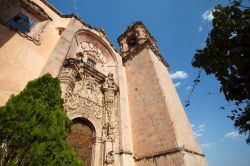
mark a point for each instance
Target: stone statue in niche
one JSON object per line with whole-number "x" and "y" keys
{"x": 108, "y": 131}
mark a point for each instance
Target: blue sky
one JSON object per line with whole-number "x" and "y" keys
{"x": 180, "y": 27}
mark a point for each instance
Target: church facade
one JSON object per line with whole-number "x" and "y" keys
{"x": 123, "y": 104}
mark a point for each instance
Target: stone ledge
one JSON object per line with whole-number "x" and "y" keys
{"x": 168, "y": 152}
{"x": 136, "y": 50}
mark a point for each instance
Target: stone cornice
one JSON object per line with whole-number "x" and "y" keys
{"x": 129, "y": 55}
{"x": 169, "y": 152}
{"x": 80, "y": 66}
{"x": 125, "y": 152}
{"x": 35, "y": 8}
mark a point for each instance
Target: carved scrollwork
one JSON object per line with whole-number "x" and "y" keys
{"x": 86, "y": 97}
{"x": 88, "y": 88}
{"x": 73, "y": 102}
{"x": 90, "y": 49}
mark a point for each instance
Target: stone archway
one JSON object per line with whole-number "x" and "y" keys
{"x": 80, "y": 139}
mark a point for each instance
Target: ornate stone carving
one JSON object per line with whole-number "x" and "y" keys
{"x": 86, "y": 97}
{"x": 67, "y": 76}
{"x": 110, "y": 127}
{"x": 109, "y": 158}
{"x": 109, "y": 85}
{"x": 90, "y": 89}
{"x": 91, "y": 50}
{"x": 89, "y": 94}
{"x": 81, "y": 92}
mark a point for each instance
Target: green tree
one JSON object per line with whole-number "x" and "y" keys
{"x": 34, "y": 127}
{"x": 227, "y": 56}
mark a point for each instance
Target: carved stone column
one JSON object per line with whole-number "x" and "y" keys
{"x": 110, "y": 90}
{"x": 96, "y": 153}
{"x": 67, "y": 77}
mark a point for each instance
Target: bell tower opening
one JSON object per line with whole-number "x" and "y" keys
{"x": 80, "y": 139}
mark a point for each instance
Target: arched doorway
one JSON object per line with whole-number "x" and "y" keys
{"x": 80, "y": 139}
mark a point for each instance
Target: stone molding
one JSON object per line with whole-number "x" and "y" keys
{"x": 127, "y": 56}
{"x": 168, "y": 152}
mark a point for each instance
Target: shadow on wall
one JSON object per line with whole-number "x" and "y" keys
{"x": 8, "y": 10}
{"x": 5, "y": 34}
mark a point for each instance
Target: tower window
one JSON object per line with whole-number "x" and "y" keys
{"x": 91, "y": 63}
{"x": 22, "y": 23}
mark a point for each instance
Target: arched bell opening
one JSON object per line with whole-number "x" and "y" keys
{"x": 81, "y": 139}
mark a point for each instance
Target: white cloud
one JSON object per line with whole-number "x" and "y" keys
{"x": 208, "y": 15}
{"x": 75, "y": 5}
{"x": 198, "y": 134}
{"x": 232, "y": 135}
{"x": 200, "y": 28}
{"x": 198, "y": 130}
{"x": 202, "y": 126}
{"x": 179, "y": 75}
{"x": 207, "y": 145}
{"x": 188, "y": 88}
{"x": 177, "y": 84}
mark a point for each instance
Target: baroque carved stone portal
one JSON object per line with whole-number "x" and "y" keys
{"x": 90, "y": 95}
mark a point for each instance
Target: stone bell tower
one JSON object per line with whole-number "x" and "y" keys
{"x": 161, "y": 132}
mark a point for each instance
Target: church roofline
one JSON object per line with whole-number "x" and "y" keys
{"x": 72, "y": 15}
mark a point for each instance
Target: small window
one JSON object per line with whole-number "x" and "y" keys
{"x": 22, "y": 23}
{"x": 91, "y": 63}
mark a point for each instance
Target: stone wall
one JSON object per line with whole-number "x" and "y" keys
{"x": 21, "y": 59}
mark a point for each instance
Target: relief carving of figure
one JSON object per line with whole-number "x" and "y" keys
{"x": 110, "y": 158}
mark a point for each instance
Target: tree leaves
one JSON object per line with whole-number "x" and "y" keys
{"x": 34, "y": 127}
{"x": 227, "y": 57}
